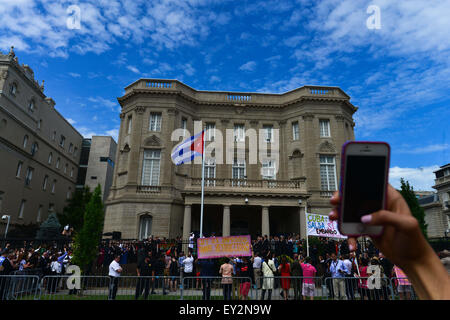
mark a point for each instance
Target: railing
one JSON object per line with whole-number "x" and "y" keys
{"x": 326, "y": 194}
{"x": 235, "y": 97}
{"x": 442, "y": 180}
{"x": 219, "y": 183}
{"x": 239, "y": 98}
{"x": 182, "y": 287}
{"x": 148, "y": 189}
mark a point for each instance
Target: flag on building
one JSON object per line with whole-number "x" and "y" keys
{"x": 187, "y": 150}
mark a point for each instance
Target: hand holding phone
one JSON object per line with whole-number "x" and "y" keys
{"x": 364, "y": 181}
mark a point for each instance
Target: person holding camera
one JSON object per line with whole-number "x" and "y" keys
{"x": 338, "y": 272}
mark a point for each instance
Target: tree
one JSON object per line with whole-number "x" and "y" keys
{"x": 73, "y": 213}
{"x": 417, "y": 211}
{"x": 87, "y": 239}
{"x": 50, "y": 228}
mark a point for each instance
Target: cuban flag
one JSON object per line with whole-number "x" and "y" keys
{"x": 187, "y": 150}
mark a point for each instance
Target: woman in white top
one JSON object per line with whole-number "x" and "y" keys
{"x": 268, "y": 268}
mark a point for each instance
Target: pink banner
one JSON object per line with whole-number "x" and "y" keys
{"x": 216, "y": 247}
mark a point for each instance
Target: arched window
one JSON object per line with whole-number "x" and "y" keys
{"x": 145, "y": 227}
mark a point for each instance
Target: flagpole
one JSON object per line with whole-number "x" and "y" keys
{"x": 203, "y": 185}
{"x": 306, "y": 227}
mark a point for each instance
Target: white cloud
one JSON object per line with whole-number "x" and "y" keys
{"x": 113, "y": 133}
{"x": 74, "y": 75}
{"x": 133, "y": 69}
{"x": 100, "y": 101}
{"x": 71, "y": 121}
{"x": 425, "y": 149}
{"x": 249, "y": 66}
{"x": 88, "y": 133}
{"x": 214, "y": 79}
{"x": 161, "y": 23}
{"x": 419, "y": 178}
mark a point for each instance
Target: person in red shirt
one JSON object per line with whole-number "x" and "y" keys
{"x": 285, "y": 270}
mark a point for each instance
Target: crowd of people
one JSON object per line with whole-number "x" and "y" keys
{"x": 279, "y": 262}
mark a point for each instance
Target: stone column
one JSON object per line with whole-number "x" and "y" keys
{"x": 265, "y": 226}
{"x": 186, "y": 226}
{"x": 226, "y": 221}
{"x": 301, "y": 212}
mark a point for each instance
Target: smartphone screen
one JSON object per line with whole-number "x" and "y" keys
{"x": 364, "y": 186}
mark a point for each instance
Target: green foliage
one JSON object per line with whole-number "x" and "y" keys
{"x": 73, "y": 214}
{"x": 87, "y": 239}
{"x": 49, "y": 229}
{"x": 417, "y": 211}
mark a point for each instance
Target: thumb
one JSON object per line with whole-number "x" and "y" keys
{"x": 389, "y": 218}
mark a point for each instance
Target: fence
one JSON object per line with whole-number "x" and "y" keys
{"x": 33, "y": 287}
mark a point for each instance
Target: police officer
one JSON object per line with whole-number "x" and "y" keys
{"x": 144, "y": 272}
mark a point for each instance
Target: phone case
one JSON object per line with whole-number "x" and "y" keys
{"x": 343, "y": 157}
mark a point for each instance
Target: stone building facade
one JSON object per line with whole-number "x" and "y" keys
{"x": 150, "y": 195}
{"x": 39, "y": 149}
{"x": 100, "y": 167}
{"x": 437, "y": 206}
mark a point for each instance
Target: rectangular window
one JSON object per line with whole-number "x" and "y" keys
{"x": 150, "y": 167}
{"x": 44, "y": 185}
{"x": 50, "y": 157}
{"x": 210, "y": 131}
{"x": 70, "y": 148}
{"x": 239, "y": 133}
{"x": 54, "y": 186}
{"x": 210, "y": 172}
{"x": 38, "y": 219}
{"x": 268, "y": 129}
{"x": 75, "y": 151}
{"x": 155, "y": 121}
{"x": 22, "y": 209}
{"x": 28, "y": 176}
{"x": 295, "y": 131}
{"x": 268, "y": 170}
{"x": 238, "y": 172}
{"x": 62, "y": 141}
{"x": 71, "y": 172}
{"x": 19, "y": 168}
{"x": 69, "y": 192}
{"x": 57, "y": 163}
{"x": 327, "y": 173}
{"x": 130, "y": 122}
{"x": 184, "y": 126}
{"x": 324, "y": 128}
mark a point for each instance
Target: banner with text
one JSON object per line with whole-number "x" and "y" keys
{"x": 216, "y": 247}
{"x": 320, "y": 226}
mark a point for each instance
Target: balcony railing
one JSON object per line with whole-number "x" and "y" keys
{"x": 236, "y": 97}
{"x": 220, "y": 184}
{"x": 442, "y": 180}
{"x": 148, "y": 189}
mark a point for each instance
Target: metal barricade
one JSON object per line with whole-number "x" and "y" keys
{"x": 359, "y": 288}
{"x": 402, "y": 289}
{"x": 212, "y": 288}
{"x": 19, "y": 287}
{"x": 297, "y": 288}
{"x": 81, "y": 287}
{"x": 147, "y": 288}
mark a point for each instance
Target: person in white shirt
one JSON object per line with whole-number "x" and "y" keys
{"x": 114, "y": 273}
{"x": 257, "y": 261}
{"x": 188, "y": 263}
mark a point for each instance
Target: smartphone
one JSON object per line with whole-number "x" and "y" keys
{"x": 364, "y": 182}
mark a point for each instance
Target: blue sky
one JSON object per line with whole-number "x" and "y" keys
{"x": 397, "y": 75}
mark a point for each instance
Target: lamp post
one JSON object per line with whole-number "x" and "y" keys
{"x": 4, "y": 217}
